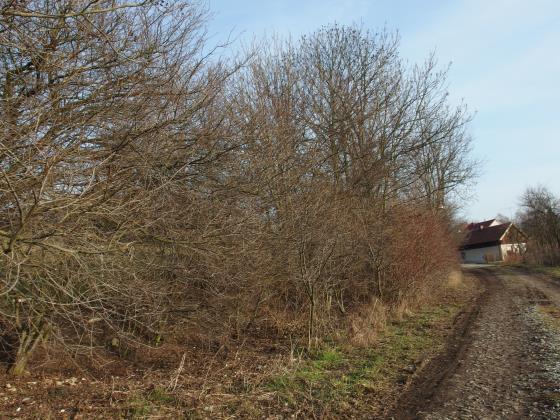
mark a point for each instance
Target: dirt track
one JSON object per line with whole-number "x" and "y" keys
{"x": 503, "y": 360}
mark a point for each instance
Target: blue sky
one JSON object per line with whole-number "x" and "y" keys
{"x": 505, "y": 64}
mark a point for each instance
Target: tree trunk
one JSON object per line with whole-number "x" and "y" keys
{"x": 28, "y": 343}
{"x": 311, "y": 321}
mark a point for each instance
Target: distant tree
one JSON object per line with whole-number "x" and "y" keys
{"x": 539, "y": 217}
{"x": 503, "y": 218}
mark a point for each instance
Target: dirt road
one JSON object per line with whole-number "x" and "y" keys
{"x": 503, "y": 361}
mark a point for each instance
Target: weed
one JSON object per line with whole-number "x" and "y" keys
{"x": 139, "y": 407}
{"x": 281, "y": 383}
{"x": 160, "y": 395}
{"x": 142, "y": 405}
{"x": 329, "y": 358}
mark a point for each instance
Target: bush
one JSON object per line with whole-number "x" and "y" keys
{"x": 150, "y": 195}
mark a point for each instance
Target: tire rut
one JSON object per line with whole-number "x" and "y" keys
{"x": 498, "y": 362}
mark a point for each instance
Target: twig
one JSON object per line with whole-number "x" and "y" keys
{"x": 175, "y": 379}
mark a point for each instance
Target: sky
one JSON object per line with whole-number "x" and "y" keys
{"x": 505, "y": 65}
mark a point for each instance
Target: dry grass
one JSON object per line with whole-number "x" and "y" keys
{"x": 360, "y": 372}
{"x": 367, "y": 323}
{"x": 550, "y": 314}
{"x": 455, "y": 279}
{"x": 255, "y": 379}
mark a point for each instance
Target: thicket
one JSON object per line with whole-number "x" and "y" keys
{"x": 152, "y": 191}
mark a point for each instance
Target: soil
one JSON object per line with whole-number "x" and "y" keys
{"x": 503, "y": 360}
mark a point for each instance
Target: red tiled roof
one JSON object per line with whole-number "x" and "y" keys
{"x": 484, "y": 236}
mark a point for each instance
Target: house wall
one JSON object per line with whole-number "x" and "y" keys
{"x": 513, "y": 248}
{"x": 514, "y": 236}
{"x": 482, "y": 255}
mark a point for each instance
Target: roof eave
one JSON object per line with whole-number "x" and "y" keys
{"x": 480, "y": 245}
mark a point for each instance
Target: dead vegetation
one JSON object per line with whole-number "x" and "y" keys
{"x": 340, "y": 379}
{"x": 161, "y": 204}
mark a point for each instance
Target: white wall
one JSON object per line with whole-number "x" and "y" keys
{"x": 478, "y": 255}
{"x": 515, "y": 248}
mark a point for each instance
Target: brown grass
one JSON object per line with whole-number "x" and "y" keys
{"x": 360, "y": 372}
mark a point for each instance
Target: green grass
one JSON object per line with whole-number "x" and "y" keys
{"x": 143, "y": 404}
{"x": 553, "y": 271}
{"x": 160, "y": 395}
{"x": 139, "y": 407}
{"x": 336, "y": 375}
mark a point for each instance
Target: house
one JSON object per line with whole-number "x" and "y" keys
{"x": 491, "y": 241}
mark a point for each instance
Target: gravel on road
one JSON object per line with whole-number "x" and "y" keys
{"x": 506, "y": 363}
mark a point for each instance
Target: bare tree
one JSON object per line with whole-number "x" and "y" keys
{"x": 147, "y": 186}
{"x": 339, "y": 137}
{"x": 539, "y": 218}
{"x": 106, "y": 108}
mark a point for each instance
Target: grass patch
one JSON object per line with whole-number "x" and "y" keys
{"x": 552, "y": 271}
{"x": 330, "y": 357}
{"x": 145, "y": 404}
{"x": 550, "y": 315}
{"x": 160, "y": 395}
{"x": 335, "y": 377}
{"x": 139, "y": 407}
